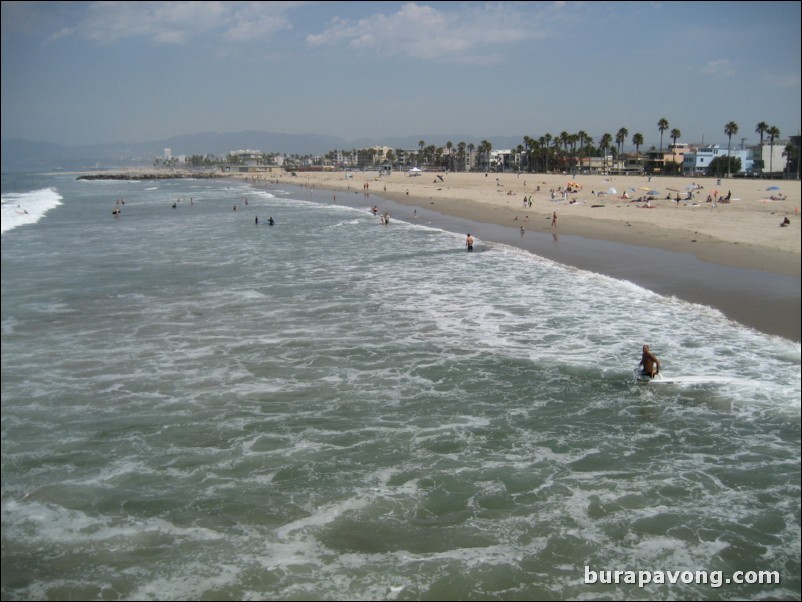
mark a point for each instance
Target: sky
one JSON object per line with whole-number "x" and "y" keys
{"x": 103, "y": 72}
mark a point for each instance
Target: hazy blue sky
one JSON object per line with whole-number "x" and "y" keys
{"x": 90, "y": 72}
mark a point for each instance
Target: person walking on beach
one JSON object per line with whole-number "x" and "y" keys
{"x": 469, "y": 243}
{"x": 554, "y": 220}
{"x": 650, "y": 363}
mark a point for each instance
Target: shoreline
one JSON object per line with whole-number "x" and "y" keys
{"x": 755, "y": 285}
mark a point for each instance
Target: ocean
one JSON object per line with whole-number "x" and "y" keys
{"x": 196, "y": 406}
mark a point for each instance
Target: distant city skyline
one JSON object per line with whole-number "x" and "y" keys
{"x": 91, "y": 72}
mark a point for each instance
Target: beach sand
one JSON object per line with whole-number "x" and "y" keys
{"x": 743, "y": 234}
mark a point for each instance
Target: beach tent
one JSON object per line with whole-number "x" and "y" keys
{"x": 415, "y": 171}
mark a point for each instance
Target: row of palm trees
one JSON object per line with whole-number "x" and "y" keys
{"x": 563, "y": 148}
{"x": 762, "y": 128}
{"x": 560, "y": 149}
{"x": 534, "y": 154}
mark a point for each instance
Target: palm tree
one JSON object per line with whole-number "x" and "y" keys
{"x": 620, "y": 138}
{"x": 582, "y": 135}
{"x": 637, "y": 140}
{"x": 604, "y": 144}
{"x": 572, "y": 140}
{"x": 537, "y": 148}
{"x": 662, "y": 125}
{"x": 546, "y": 141}
{"x": 761, "y": 129}
{"x": 484, "y": 148}
{"x": 788, "y": 153}
{"x": 564, "y": 139}
{"x": 730, "y": 130}
{"x": 774, "y": 133}
{"x": 675, "y": 133}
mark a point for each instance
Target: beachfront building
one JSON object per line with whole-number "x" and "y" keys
{"x": 773, "y": 157}
{"x": 677, "y": 152}
{"x": 696, "y": 163}
{"x": 472, "y": 160}
{"x": 248, "y": 158}
{"x": 663, "y": 162}
{"x": 252, "y": 161}
{"x": 594, "y": 165}
{"x": 503, "y": 160}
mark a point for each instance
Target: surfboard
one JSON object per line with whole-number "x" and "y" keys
{"x": 660, "y": 379}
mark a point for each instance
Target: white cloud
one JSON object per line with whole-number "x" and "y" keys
{"x": 468, "y": 33}
{"x": 180, "y": 22}
{"x": 719, "y": 68}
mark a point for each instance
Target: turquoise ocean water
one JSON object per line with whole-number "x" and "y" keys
{"x": 198, "y": 407}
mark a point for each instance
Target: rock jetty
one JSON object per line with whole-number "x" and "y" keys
{"x": 152, "y": 176}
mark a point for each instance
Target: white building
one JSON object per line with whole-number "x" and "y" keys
{"x": 696, "y": 163}
{"x": 773, "y": 158}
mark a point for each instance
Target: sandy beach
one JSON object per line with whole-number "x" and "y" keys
{"x": 744, "y": 233}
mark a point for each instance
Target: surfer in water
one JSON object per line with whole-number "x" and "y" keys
{"x": 650, "y": 363}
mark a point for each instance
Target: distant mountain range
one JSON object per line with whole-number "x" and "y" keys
{"x": 25, "y": 155}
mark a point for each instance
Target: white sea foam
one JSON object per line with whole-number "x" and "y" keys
{"x": 21, "y": 208}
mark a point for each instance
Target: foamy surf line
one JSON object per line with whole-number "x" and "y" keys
{"x": 21, "y": 208}
{"x": 761, "y": 300}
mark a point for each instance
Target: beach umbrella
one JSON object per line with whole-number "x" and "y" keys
{"x": 612, "y": 191}
{"x": 773, "y": 188}
{"x": 644, "y": 188}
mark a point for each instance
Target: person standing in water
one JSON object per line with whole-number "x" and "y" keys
{"x": 469, "y": 243}
{"x": 650, "y": 363}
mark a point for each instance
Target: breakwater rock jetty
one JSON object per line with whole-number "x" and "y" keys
{"x": 152, "y": 175}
